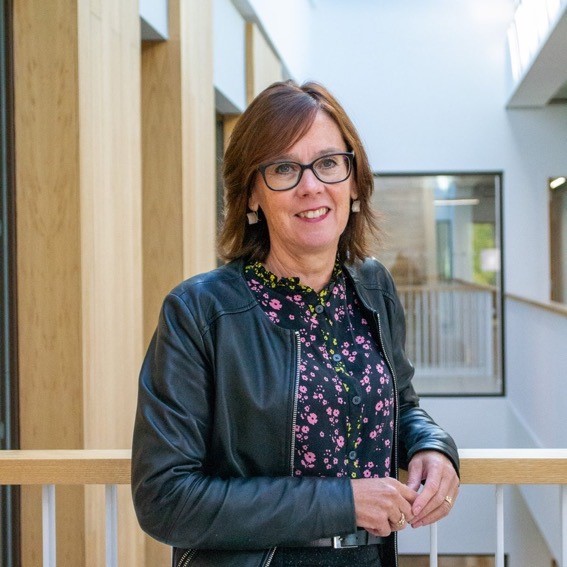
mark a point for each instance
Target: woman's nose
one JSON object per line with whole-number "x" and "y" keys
{"x": 309, "y": 183}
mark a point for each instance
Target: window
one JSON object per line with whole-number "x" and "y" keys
{"x": 558, "y": 238}
{"x": 443, "y": 241}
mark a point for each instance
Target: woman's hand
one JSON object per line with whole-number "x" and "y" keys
{"x": 440, "y": 490}
{"x": 382, "y": 505}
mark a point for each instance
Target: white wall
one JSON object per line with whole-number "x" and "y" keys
{"x": 229, "y": 57}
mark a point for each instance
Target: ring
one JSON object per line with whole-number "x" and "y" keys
{"x": 449, "y": 500}
{"x": 402, "y": 521}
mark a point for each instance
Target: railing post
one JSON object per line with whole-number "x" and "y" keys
{"x": 48, "y": 525}
{"x": 564, "y": 525}
{"x": 499, "y": 525}
{"x": 111, "y": 525}
{"x": 433, "y": 545}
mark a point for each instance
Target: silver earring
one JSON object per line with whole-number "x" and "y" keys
{"x": 355, "y": 207}
{"x": 252, "y": 217}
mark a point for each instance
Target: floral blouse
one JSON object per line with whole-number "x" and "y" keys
{"x": 345, "y": 410}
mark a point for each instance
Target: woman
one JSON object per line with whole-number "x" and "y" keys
{"x": 275, "y": 401}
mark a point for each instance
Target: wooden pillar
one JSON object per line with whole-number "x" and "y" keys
{"x": 78, "y": 188}
{"x": 178, "y": 157}
{"x": 263, "y": 66}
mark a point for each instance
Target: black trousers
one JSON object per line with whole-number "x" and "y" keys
{"x": 363, "y": 556}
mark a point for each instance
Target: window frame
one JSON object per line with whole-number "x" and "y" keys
{"x": 498, "y": 176}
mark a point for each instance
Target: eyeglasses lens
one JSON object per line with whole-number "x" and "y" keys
{"x": 332, "y": 168}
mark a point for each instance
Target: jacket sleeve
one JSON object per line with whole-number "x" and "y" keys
{"x": 177, "y": 496}
{"x": 417, "y": 430}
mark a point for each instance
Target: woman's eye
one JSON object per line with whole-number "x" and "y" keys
{"x": 327, "y": 163}
{"x": 284, "y": 168}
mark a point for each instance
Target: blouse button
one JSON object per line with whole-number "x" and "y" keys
{"x": 356, "y": 400}
{"x": 319, "y": 308}
{"x": 352, "y": 455}
{"x": 336, "y": 357}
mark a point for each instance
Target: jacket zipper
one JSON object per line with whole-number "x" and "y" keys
{"x": 293, "y": 424}
{"x": 186, "y": 558}
{"x": 396, "y": 411}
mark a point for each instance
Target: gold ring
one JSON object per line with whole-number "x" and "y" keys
{"x": 402, "y": 521}
{"x": 449, "y": 500}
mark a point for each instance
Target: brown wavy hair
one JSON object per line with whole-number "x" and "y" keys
{"x": 273, "y": 122}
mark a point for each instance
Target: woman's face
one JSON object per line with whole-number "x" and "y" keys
{"x": 310, "y": 218}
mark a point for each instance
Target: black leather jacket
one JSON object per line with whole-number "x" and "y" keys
{"x": 212, "y": 456}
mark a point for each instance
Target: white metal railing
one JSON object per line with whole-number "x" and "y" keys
{"x": 450, "y": 329}
{"x": 498, "y": 467}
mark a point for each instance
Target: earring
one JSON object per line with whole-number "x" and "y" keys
{"x": 355, "y": 207}
{"x": 252, "y": 217}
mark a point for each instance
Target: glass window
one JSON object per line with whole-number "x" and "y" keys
{"x": 558, "y": 238}
{"x": 442, "y": 245}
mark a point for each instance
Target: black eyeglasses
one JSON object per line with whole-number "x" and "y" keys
{"x": 285, "y": 175}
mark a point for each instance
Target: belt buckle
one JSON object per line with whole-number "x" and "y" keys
{"x": 343, "y": 542}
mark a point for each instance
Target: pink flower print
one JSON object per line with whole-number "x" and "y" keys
{"x": 366, "y": 473}
{"x": 310, "y": 457}
{"x": 291, "y": 317}
{"x": 335, "y": 461}
{"x": 365, "y": 420}
{"x": 387, "y": 443}
{"x": 340, "y": 441}
{"x": 345, "y": 352}
{"x": 275, "y": 304}
{"x": 329, "y": 411}
{"x": 321, "y": 434}
{"x": 351, "y": 358}
{"x": 297, "y": 297}
{"x": 336, "y": 412}
{"x": 359, "y": 339}
{"x": 373, "y": 435}
{"x": 312, "y": 337}
{"x": 305, "y": 429}
{"x": 312, "y": 418}
{"x": 380, "y": 368}
{"x": 368, "y": 389}
{"x": 379, "y": 405}
{"x": 365, "y": 380}
{"x": 382, "y": 379}
{"x": 387, "y": 463}
{"x": 303, "y": 389}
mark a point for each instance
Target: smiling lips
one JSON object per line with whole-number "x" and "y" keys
{"x": 314, "y": 213}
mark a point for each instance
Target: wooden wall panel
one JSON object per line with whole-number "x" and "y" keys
{"x": 110, "y": 157}
{"x": 263, "y": 66}
{"x": 78, "y": 175}
{"x": 48, "y": 240}
{"x": 198, "y": 137}
{"x": 178, "y": 171}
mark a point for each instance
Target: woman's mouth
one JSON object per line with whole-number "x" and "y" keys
{"x": 314, "y": 213}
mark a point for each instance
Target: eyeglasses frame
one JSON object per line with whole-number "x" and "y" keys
{"x": 350, "y": 155}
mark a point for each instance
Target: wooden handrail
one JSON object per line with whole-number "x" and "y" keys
{"x": 108, "y": 466}
{"x": 478, "y": 466}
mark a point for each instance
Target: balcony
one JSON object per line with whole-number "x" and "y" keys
{"x": 50, "y": 468}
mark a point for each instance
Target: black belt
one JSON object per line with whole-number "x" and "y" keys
{"x": 356, "y": 539}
